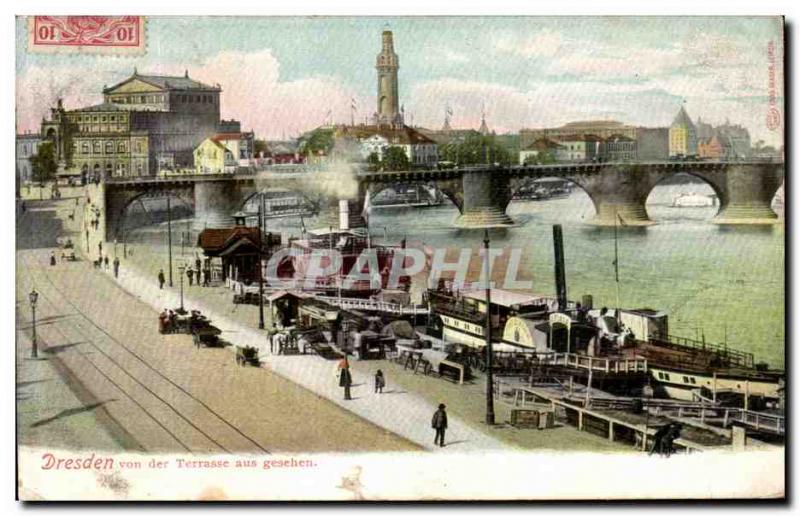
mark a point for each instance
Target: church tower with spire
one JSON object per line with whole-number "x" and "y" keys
{"x": 387, "y": 65}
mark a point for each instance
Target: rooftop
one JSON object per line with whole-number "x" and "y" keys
{"x": 502, "y": 297}
{"x": 404, "y": 135}
{"x": 166, "y": 82}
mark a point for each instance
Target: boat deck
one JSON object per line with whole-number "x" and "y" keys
{"x": 604, "y": 418}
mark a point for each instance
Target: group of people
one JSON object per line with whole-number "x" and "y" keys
{"x": 195, "y": 273}
{"x": 438, "y": 422}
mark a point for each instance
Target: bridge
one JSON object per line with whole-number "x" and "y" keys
{"x": 619, "y": 191}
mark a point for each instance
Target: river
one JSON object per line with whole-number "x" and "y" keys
{"x": 725, "y": 284}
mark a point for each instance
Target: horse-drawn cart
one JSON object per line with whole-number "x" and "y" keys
{"x": 247, "y": 355}
{"x": 206, "y": 335}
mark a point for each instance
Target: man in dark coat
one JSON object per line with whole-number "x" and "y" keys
{"x": 439, "y": 423}
{"x": 116, "y": 267}
{"x": 161, "y": 279}
{"x": 345, "y": 379}
{"x": 190, "y": 274}
{"x": 659, "y": 439}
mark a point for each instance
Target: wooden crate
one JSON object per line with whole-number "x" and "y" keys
{"x": 532, "y": 418}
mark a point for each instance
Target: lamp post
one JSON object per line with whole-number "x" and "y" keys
{"x": 260, "y": 261}
{"x": 488, "y": 332}
{"x": 181, "y": 272}
{"x": 34, "y": 296}
{"x": 169, "y": 238}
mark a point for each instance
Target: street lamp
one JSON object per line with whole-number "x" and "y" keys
{"x": 261, "y": 261}
{"x": 34, "y": 296}
{"x": 489, "y": 365}
{"x": 181, "y": 272}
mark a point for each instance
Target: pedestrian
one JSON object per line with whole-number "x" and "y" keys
{"x": 116, "y": 267}
{"x": 345, "y": 378}
{"x": 196, "y": 262}
{"x": 161, "y": 279}
{"x": 206, "y": 277}
{"x": 163, "y": 319}
{"x": 270, "y": 334}
{"x": 105, "y": 261}
{"x": 52, "y": 258}
{"x": 380, "y": 382}
{"x": 659, "y": 439}
{"x": 190, "y": 274}
{"x": 100, "y": 248}
{"x": 439, "y": 423}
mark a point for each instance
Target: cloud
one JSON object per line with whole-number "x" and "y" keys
{"x": 253, "y": 92}
{"x": 545, "y": 43}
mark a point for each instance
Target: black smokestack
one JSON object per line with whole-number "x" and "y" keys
{"x": 561, "y": 282}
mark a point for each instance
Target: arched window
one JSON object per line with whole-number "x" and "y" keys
{"x": 96, "y": 148}
{"x": 109, "y": 147}
{"x": 121, "y": 147}
{"x": 85, "y": 148}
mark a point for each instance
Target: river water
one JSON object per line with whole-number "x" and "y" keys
{"x": 725, "y": 284}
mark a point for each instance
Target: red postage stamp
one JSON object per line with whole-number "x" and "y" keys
{"x": 87, "y": 34}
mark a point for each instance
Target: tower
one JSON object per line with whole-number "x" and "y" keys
{"x": 387, "y": 65}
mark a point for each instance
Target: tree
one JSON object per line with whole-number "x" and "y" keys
{"x": 541, "y": 158}
{"x": 43, "y": 164}
{"x": 374, "y": 161}
{"x": 320, "y": 139}
{"x": 476, "y": 149}
{"x": 394, "y": 158}
{"x": 259, "y": 146}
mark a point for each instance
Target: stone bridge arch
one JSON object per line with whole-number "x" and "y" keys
{"x": 118, "y": 202}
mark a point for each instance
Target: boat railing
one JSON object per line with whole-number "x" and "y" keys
{"x": 733, "y": 356}
{"x": 760, "y": 421}
{"x": 614, "y": 365}
{"x": 378, "y": 306}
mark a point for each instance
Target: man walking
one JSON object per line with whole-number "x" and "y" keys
{"x": 116, "y": 267}
{"x": 439, "y": 423}
{"x": 161, "y": 279}
{"x": 190, "y": 274}
{"x": 105, "y": 261}
{"x": 345, "y": 378}
{"x": 380, "y": 382}
{"x": 206, "y": 277}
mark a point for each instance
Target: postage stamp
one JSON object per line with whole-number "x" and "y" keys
{"x": 87, "y": 34}
{"x": 542, "y": 259}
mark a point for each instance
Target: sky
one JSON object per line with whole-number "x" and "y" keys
{"x": 282, "y": 75}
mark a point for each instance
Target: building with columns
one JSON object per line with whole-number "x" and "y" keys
{"x": 145, "y": 123}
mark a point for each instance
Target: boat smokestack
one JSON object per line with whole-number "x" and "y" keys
{"x": 344, "y": 215}
{"x": 561, "y": 282}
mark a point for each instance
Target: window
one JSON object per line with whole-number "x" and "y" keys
{"x": 143, "y": 99}
{"x": 112, "y": 118}
{"x": 109, "y": 147}
{"x": 85, "y": 148}
{"x": 102, "y": 119}
{"x": 96, "y": 147}
{"x": 121, "y": 147}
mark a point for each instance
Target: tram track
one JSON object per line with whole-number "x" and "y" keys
{"x": 172, "y": 394}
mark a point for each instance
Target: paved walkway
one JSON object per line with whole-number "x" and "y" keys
{"x": 403, "y": 413}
